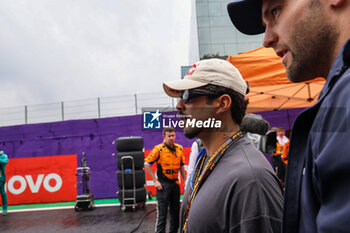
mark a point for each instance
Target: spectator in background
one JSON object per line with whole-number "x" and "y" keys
{"x": 196, "y": 148}
{"x": 285, "y": 153}
{"x": 170, "y": 161}
{"x": 281, "y": 137}
{"x": 282, "y": 140}
{"x": 3, "y": 162}
{"x": 278, "y": 165}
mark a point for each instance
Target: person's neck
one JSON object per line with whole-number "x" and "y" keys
{"x": 212, "y": 140}
{"x": 172, "y": 145}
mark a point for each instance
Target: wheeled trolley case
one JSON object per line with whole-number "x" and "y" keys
{"x": 131, "y": 175}
{"x": 132, "y": 192}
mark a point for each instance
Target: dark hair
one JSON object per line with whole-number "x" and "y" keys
{"x": 238, "y": 105}
{"x": 168, "y": 129}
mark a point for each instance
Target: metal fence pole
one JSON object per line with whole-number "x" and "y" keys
{"x": 135, "y": 104}
{"x": 99, "y": 107}
{"x": 26, "y": 114}
{"x": 62, "y": 110}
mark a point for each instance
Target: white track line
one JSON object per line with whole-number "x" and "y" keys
{"x": 67, "y": 207}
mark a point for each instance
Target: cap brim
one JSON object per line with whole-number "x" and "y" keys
{"x": 174, "y": 88}
{"x": 246, "y": 16}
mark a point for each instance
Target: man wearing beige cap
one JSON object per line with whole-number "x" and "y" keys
{"x": 233, "y": 187}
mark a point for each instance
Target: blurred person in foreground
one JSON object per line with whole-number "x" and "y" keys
{"x": 3, "y": 162}
{"x": 233, "y": 187}
{"x": 170, "y": 161}
{"x": 312, "y": 38}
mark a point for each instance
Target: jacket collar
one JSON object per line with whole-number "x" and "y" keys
{"x": 170, "y": 148}
{"x": 341, "y": 63}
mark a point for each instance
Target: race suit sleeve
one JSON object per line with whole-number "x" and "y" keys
{"x": 182, "y": 156}
{"x": 278, "y": 150}
{"x": 153, "y": 155}
{"x": 285, "y": 153}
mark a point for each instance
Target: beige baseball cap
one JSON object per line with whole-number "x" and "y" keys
{"x": 211, "y": 71}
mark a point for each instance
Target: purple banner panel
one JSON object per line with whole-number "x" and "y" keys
{"x": 95, "y": 137}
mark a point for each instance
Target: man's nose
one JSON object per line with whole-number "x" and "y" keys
{"x": 270, "y": 38}
{"x": 180, "y": 105}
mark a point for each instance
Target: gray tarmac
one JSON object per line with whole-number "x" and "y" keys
{"x": 102, "y": 219}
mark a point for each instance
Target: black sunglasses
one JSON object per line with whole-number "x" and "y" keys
{"x": 187, "y": 95}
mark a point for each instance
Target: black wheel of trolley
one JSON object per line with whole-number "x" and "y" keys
{"x": 150, "y": 195}
{"x": 92, "y": 206}
{"x": 129, "y": 179}
{"x": 129, "y": 193}
{"x": 124, "y": 144}
{"x": 138, "y": 157}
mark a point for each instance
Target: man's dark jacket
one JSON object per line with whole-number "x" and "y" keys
{"x": 317, "y": 197}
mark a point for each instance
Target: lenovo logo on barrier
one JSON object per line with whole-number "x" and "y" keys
{"x": 41, "y": 179}
{"x": 51, "y": 183}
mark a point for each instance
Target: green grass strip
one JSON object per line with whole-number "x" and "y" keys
{"x": 60, "y": 204}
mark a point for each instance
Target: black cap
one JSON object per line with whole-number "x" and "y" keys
{"x": 246, "y": 16}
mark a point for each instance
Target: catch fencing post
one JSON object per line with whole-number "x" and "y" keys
{"x": 62, "y": 110}
{"x": 135, "y": 104}
{"x": 99, "y": 107}
{"x": 26, "y": 114}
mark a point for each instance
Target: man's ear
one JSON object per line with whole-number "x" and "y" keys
{"x": 224, "y": 104}
{"x": 337, "y": 3}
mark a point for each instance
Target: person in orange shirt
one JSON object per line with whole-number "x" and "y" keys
{"x": 284, "y": 143}
{"x": 277, "y": 156}
{"x": 285, "y": 153}
{"x": 170, "y": 161}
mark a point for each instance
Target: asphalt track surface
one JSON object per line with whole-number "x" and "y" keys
{"x": 108, "y": 219}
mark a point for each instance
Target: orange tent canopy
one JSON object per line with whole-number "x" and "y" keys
{"x": 269, "y": 87}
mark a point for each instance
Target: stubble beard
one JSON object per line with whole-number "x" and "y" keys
{"x": 191, "y": 132}
{"x": 313, "y": 45}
